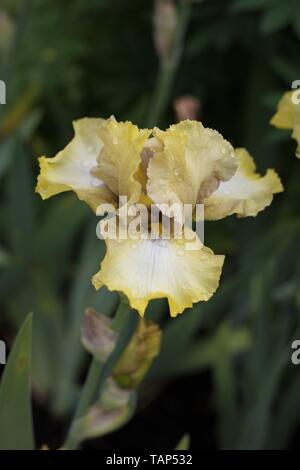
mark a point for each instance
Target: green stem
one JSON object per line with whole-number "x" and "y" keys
{"x": 93, "y": 380}
{"x": 168, "y": 69}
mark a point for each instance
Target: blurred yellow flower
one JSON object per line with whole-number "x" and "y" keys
{"x": 288, "y": 116}
{"x": 186, "y": 164}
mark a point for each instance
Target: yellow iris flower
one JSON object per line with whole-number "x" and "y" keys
{"x": 186, "y": 164}
{"x": 288, "y": 116}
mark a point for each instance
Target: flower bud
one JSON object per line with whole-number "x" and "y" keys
{"x": 187, "y": 107}
{"x": 97, "y": 335}
{"x": 7, "y": 29}
{"x": 98, "y": 422}
{"x": 165, "y": 22}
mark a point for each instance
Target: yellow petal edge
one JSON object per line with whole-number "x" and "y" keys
{"x": 151, "y": 269}
{"x": 245, "y": 194}
{"x": 288, "y": 116}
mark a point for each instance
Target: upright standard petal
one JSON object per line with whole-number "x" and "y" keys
{"x": 71, "y": 168}
{"x": 245, "y": 194}
{"x": 120, "y": 158}
{"x": 151, "y": 269}
{"x": 191, "y": 164}
{"x": 288, "y": 116}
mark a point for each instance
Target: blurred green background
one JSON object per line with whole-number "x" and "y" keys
{"x": 224, "y": 374}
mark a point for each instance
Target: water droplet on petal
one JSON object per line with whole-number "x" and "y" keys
{"x": 223, "y": 150}
{"x": 180, "y": 252}
{"x": 176, "y": 173}
{"x": 95, "y": 182}
{"x": 86, "y": 163}
{"x": 91, "y": 148}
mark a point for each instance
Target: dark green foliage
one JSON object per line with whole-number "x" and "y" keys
{"x": 76, "y": 58}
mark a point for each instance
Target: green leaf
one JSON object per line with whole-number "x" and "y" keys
{"x": 184, "y": 443}
{"x": 277, "y": 17}
{"x": 248, "y": 5}
{"x": 21, "y": 202}
{"x": 16, "y": 430}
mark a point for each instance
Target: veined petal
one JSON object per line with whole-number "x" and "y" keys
{"x": 190, "y": 166}
{"x": 245, "y": 194}
{"x": 70, "y": 168}
{"x": 151, "y": 269}
{"x": 120, "y": 158}
{"x": 288, "y": 117}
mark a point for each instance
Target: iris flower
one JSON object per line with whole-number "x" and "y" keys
{"x": 186, "y": 164}
{"x": 288, "y": 116}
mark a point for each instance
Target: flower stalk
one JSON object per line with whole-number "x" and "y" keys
{"x": 168, "y": 68}
{"x": 93, "y": 379}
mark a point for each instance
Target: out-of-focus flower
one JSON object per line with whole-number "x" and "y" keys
{"x": 7, "y": 30}
{"x": 165, "y": 22}
{"x": 187, "y": 107}
{"x": 288, "y": 116}
{"x": 186, "y": 164}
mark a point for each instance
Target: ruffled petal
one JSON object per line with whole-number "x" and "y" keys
{"x": 191, "y": 164}
{"x": 245, "y": 194}
{"x": 120, "y": 158}
{"x": 151, "y": 269}
{"x": 288, "y": 117}
{"x": 71, "y": 168}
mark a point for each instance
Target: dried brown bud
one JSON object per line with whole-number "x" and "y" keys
{"x": 138, "y": 356}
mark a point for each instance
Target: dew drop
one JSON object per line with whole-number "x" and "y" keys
{"x": 91, "y": 148}
{"x": 223, "y": 150}
{"x": 176, "y": 173}
{"x": 95, "y": 182}
{"x": 180, "y": 253}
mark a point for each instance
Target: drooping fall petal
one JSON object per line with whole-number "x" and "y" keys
{"x": 245, "y": 194}
{"x": 71, "y": 168}
{"x": 150, "y": 269}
